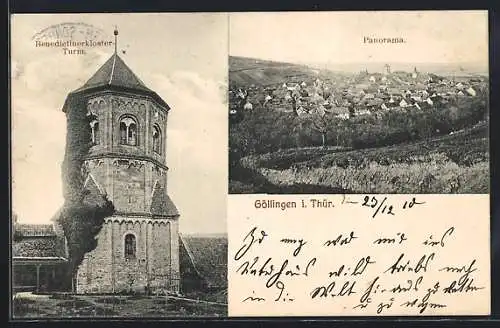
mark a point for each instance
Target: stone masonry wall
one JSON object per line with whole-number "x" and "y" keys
{"x": 174, "y": 245}
{"x": 94, "y": 274}
{"x": 128, "y": 180}
{"x": 106, "y": 270}
{"x": 129, "y": 186}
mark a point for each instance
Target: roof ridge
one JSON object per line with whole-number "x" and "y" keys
{"x": 191, "y": 256}
{"x": 211, "y": 235}
{"x": 130, "y": 69}
{"x": 35, "y": 224}
{"x": 161, "y": 203}
{"x": 211, "y": 266}
{"x": 115, "y": 71}
{"x": 90, "y": 177}
{"x": 112, "y": 69}
{"x": 116, "y": 74}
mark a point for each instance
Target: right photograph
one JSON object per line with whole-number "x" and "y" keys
{"x": 359, "y": 102}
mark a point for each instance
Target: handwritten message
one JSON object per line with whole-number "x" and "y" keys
{"x": 358, "y": 255}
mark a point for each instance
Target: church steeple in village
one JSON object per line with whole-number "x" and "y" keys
{"x": 127, "y": 162}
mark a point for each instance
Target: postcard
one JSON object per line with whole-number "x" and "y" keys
{"x": 265, "y": 164}
{"x": 119, "y": 156}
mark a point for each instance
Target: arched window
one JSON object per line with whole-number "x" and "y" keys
{"x": 128, "y": 131}
{"x": 156, "y": 139}
{"x": 94, "y": 126}
{"x": 130, "y": 248}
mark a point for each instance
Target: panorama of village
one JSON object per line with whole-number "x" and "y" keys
{"x": 362, "y": 94}
{"x": 301, "y": 129}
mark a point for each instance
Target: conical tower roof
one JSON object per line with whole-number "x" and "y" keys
{"x": 114, "y": 74}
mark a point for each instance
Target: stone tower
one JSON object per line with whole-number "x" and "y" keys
{"x": 138, "y": 247}
{"x": 415, "y": 73}
{"x": 387, "y": 69}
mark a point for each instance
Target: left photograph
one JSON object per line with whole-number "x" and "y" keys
{"x": 119, "y": 165}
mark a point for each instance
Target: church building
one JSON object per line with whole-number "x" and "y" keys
{"x": 138, "y": 247}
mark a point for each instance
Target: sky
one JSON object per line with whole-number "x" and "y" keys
{"x": 338, "y": 37}
{"x": 183, "y": 57}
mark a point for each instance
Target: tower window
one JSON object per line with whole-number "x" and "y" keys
{"x": 156, "y": 139}
{"x": 128, "y": 131}
{"x": 130, "y": 248}
{"x": 94, "y": 126}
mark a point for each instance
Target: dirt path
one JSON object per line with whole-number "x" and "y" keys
{"x": 195, "y": 300}
{"x": 88, "y": 299}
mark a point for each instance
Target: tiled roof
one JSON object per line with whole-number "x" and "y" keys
{"x": 161, "y": 204}
{"x": 35, "y": 230}
{"x": 37, "y": 247}
{"x": 37, "y": 241}
{"x": 92, "y": 194}
{"x": 209, "y": 257}
{"x": 115, "y": 72}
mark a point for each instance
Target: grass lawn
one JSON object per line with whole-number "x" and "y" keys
{"x": 29, "y": 306}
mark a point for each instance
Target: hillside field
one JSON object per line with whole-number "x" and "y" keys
{"x": 456, "y": 163}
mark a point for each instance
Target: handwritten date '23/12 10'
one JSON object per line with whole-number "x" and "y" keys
{"x": 383, "y": 206}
